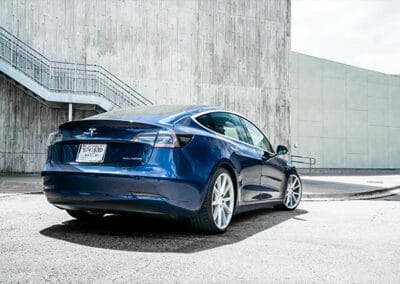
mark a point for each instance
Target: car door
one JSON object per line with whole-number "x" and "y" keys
{"x": 245, "y": 157}
{"x": 272, "y": 174}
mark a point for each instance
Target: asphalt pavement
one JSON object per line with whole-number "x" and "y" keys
{"x": 320, "y": 242}
{"x": 331, "y": 241}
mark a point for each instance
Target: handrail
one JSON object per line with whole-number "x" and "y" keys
{"x": 67, "y": 77}
{"x": 310, "y": 161}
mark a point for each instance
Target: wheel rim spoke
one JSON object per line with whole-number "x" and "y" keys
{"x": 219, "y": 216}
{"x": 223, "y": 219}
{"x": 224, "y": 186}
{"x": 228, "y": 189}
{"x": 215, "y": 213}
{"x": 222, "y": 200}
{"x": 227, "y": 209}
{"x": 219, "y": 183}
{"x": 216, "y": 190}
{"x": 293, "y": 192}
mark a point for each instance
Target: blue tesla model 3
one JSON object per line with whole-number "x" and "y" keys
{"x": 204, "y": 164}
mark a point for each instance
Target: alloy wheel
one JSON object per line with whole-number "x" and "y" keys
{"x": 223, "y": 198}
{"x": 293, "y": 192}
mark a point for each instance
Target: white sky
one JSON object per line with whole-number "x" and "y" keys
{"x": 363, "y": 33}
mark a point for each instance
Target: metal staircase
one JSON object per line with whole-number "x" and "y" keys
{"x": 64, "y": 82}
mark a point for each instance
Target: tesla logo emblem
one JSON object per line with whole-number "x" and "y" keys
{"x": 92, "y": 130}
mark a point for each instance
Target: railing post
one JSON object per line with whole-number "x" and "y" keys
{"x": 49, "y": 79}
{"x": 75, "y": 80}
{"x": 98, "y": 83}
{"x": 12, "y": 53}
{"x": 70, "y": 112}
{"x": 26, "y": 61}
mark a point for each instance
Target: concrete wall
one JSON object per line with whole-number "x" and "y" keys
{"x": 24, "y": 127}
{"x": 226, "y": 53}
{"x": 345, "y": 117}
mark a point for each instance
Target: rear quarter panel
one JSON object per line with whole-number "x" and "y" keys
{"x": 209, "y": 151}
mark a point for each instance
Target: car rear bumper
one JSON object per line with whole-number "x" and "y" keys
{"x": 114, "y": 193}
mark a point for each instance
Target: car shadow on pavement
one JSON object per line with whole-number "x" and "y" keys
{"x": 143, "y": 234}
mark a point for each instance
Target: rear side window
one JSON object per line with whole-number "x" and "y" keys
{"x": 224, "y": 123}
{"x": 257, "y": 137}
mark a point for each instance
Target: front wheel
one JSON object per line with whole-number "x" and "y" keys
{"x": 293, "y": 193}
{"x": 217, "y": 210}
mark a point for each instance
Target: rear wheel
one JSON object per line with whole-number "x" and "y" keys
{"x": 85, "y": 215}
{"x": 217, "y": 210}
{"x": 293, "y": 193}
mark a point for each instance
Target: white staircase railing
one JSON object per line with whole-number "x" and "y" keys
{"x": 63, "y": 81}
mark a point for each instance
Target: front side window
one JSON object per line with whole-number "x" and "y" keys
{"x": 257, "y": 137}
{"x": 224, "y": 123}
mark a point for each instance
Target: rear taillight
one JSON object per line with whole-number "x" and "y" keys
{"x": 162, "y": 139}
{"x": 166, "y": 139}
{"x": 145, "y": 138}
{"x": 54, "y": 137}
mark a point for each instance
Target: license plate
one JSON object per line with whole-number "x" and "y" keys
{"x": 91, "y": 153}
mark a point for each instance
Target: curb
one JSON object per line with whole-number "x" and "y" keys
{"x": 371, "y": 194}
{"x": 34, "y": 192}
{"x": 8, "y": 194}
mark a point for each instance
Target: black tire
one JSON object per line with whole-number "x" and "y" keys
{"x": 284, "y": 205}
{"x": 85, "y": 215}
{"x": 203, "y": 221}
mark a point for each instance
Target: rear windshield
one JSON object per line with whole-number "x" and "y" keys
{"x": 149, "y": 110}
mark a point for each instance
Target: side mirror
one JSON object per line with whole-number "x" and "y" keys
{"x": 281, "y": 150}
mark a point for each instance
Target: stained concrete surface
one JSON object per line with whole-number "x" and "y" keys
{"x": 222, "y": 53}
{"x": 334, "y": 242}
{"x": 349, "y": 186}
{"x": 344, "y": 116}
{"x": 318, "y": 186}
{"x": 17, "y": 184}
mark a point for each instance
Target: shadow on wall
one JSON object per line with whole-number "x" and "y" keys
{"x": 159, "y": 235}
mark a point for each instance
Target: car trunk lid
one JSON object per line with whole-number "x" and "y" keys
{"x": 113, "y": 139}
